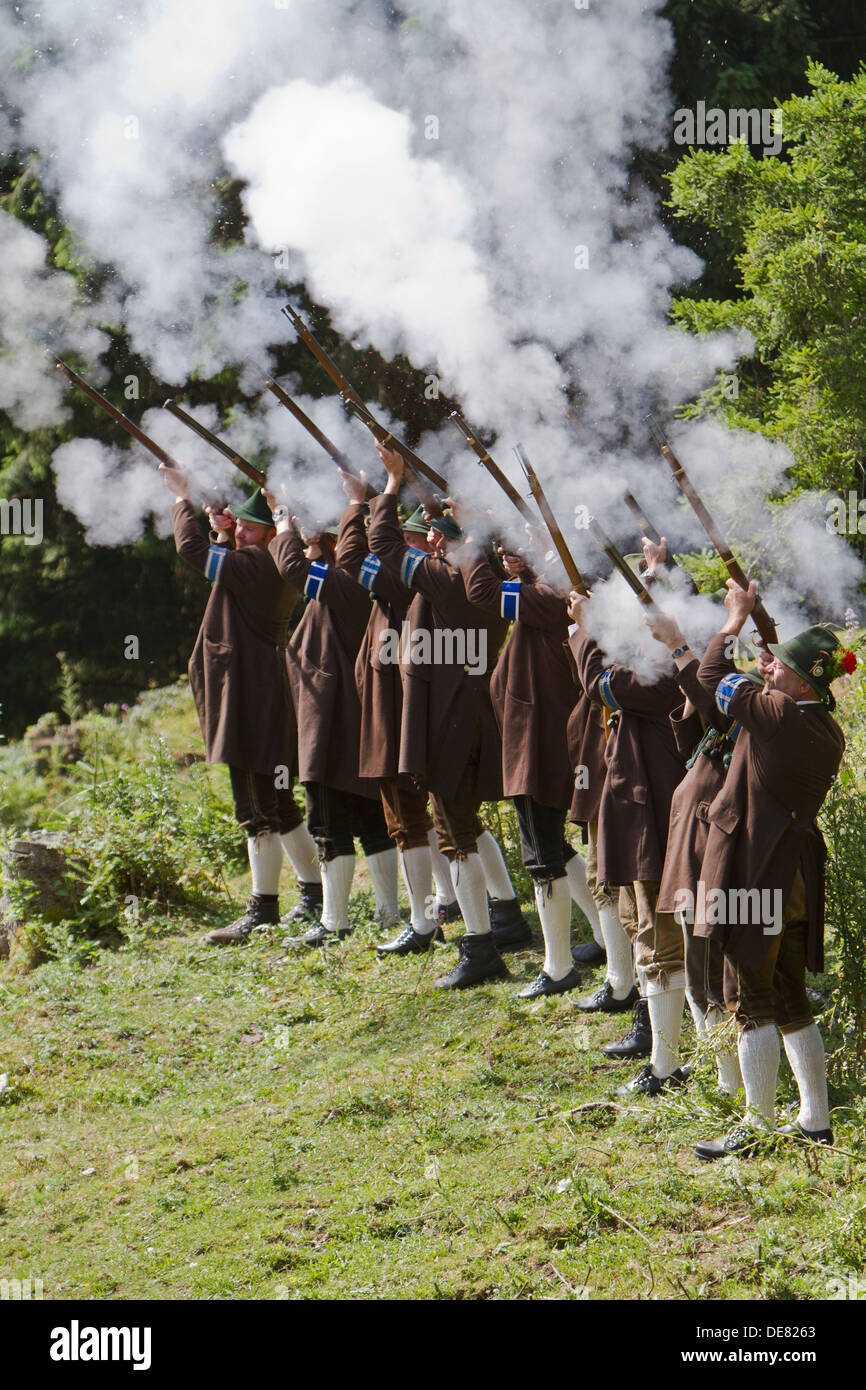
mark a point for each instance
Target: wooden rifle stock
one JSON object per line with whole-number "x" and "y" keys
{"x": 348, "y": 392}
{"x": 550, "y": 522}
{"x": 762, "y": 620}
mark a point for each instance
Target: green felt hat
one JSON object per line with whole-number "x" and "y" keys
{"x": 812, "y": 655}
{"x": 254, "y": 509}
{"x": 416, "y": 523}
{"x": 446, "y": 526}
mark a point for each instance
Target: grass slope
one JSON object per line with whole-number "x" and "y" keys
{"x": 182, "y": 1122}
{"x": 188, "y": 1123}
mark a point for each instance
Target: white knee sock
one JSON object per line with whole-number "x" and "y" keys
{"x": 337, "y": 875}
{"x": 441, "y": 873}
{"x": 302, "y": 854}
{"x": 699, "y": 1018}
{"x": 266, "y": 859}
{"x": 620, "y": 958}
{"x": 553, "y": 901}
{"x": 383, "y": 872}
{"x": 666, "y": 1020}
{"x": 718, "y": 1025}
{"x": 470, "y": 887}
{"x": 575, "y": 872}
{"x": 499, "y": 884}
{"x": 805, "y": 1052}
{"x": 758, "y": 1050}
{"x": 418, "y": 873}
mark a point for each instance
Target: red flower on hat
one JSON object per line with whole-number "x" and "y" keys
{"x": 848, "y": 663}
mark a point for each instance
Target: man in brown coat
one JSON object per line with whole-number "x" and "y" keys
{"x": 449, "y": 741}
{"x": 533, "y": 693}
{"x": 341, "y": 804}
{"x": 706, "y": 738}
{"x": 761, "y": 884}
{"x": 238, "y": 679}
{"x": 643, "y": 769}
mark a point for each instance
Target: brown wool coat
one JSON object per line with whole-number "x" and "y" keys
{"x": 586, "y": 739}
{"x": 689, "y": 818}
{"x": 762, "y": 822}
{"x": 642, "y": 763}
{"x": 322, "y": 654}
{"x": 237, "y": 671}
{"x": 532, "y": 688}
{"x": 444, "y": 706}
{"x": 379, "y": 683}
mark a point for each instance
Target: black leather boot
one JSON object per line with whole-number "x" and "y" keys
{"x": 259, "y": 913}
{"x": 510, "y": 929}
{"x": 479, "y": 961}
{"x": 307, "y": 908}
{"x": 588, "y": 953}
{"x": 410, "y": 942}
{"x": 638, "y": 1041}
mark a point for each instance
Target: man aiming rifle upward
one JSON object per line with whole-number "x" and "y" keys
{"x": 237, "y": 674}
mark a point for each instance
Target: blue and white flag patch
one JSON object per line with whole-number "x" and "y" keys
{"x": 409, "y": 564}
{"x": 368, "y": 572}
{"x": 727, "y": 689}
{"x": 315, "y": 579}
{"x": 213, "y": 565}
{"x": 510, "y": 606}
{"x": 607, "y": 696}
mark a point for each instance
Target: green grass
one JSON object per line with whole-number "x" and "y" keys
{"x": 183, "y": 1122}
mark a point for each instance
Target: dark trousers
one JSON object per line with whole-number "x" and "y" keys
{"x": 406, "y": 815}
{"x": 705, "y": 963}
{"x": 336, "y": 818}
{"x": 775, "y": 991}
{"x": 456, "y": 817}
{"x": 543, "y": 844}
{"x": 260, "y": 806}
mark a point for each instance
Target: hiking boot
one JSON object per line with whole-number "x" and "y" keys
{"x": 320, "y": 935}
{"x": 603, "y": 1001}
{"x": 449, "y": 912}
{"x": 510, "y": 929}
{"x": 638, "y": 1041}
{"x": 307, "y": 908}
{"x": 815, "y": 1136}
{"x": 589, "y": 954}
{"x": 543, "y": 985}
{"x": 741, "y": 1141}
{"x": 259, "y": 913}
{"x": 646, "y": 1083}
{"x": 479, "y": 961}
{"x": 410, "y": 942}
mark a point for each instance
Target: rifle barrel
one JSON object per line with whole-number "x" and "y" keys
{"x": 118, "y": 416}
{"x": 348, "y": 392}
{"x": 214, "y": 440}
{"x": 620, "y": 563}
{"x": 551, "y": 522}
{"x": 762, "y": 620}
{"x": 339, "y": 458}
{"x": 429, "y": 501}
{"x": 490, "y": 464}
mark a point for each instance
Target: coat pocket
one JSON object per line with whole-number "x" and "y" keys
{"x": 217, "y": 655}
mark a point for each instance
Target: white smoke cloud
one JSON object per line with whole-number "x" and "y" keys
{"x": 455, "y": 185}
